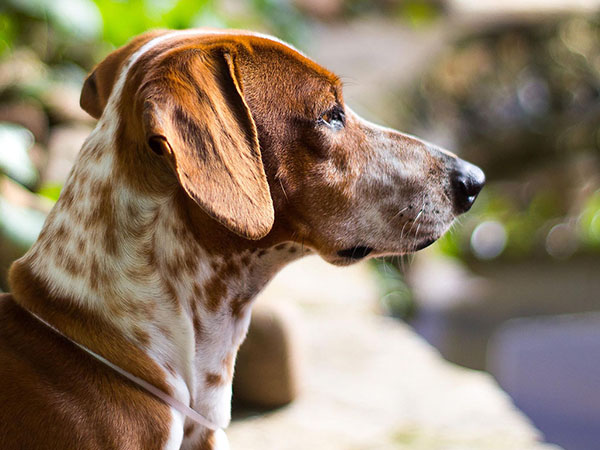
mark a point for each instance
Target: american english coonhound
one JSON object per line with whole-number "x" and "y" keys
{"x": 218, "y": 157}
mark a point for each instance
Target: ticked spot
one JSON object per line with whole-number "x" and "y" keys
{"x": 245, "y": 260}
{"x": 71, "y": 265}
{"x": 60, "y": 232}
{"x": 216, "y": 290}
{"x": 238, "y": 306}
{"x": 141, "y": 336}
{"x": 281, "y": 246}
{"x": 198, "y": 330}
{"x": 262, "y": 253}
{"x": 188, "y": 430}
{"x": 213, "y": 379}
{"x": 81, "y": 245}
{"x": 292, "y": 250}
{"x": 172, "y": 294}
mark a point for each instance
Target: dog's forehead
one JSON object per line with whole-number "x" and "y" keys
{"x": 181, "y": 39}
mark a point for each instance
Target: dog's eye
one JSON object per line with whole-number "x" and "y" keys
{"x": 333, "y": 118}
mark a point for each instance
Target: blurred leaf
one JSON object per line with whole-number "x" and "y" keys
{"x": 50, "y": 191}
{"x": 15, "y": 142}
{"x": 8, "y": 33}
{"x": 589, "y": 221}
{"x": 418, "y": 12}
{"x": 449, "y": 244}
{"x": 123, "y": 20}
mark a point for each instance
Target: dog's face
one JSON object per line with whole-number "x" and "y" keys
{"x": 347, "y": 187}
{"x": 259, "y": 136}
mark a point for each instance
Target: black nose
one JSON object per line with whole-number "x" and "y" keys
{"x": 467, "y": 181}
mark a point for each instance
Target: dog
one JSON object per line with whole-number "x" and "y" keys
{"x": 218, "y": 157}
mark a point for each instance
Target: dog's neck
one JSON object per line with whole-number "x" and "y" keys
{"x": 178, "y": 290}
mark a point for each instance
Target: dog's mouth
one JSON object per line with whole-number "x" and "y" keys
{"x": 355, "y": 253}
{"x": 424, "y": 244}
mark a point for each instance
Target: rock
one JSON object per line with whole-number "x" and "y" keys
{"x": 63, "y": 146}
{"x": 267, "y": 370}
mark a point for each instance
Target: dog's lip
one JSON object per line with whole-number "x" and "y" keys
{"x": 424, "y": 244}
{"x": 355, "y": 253}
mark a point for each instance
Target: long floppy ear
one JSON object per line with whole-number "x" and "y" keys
{"x": 195, "y": 112}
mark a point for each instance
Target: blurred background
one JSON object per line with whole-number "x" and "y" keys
{"x": 513, "y": 86}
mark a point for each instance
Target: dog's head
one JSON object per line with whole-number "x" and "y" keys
{"x": 258, "y": 135}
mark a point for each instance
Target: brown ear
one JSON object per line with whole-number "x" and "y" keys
{"x": 195, "y": 112}
{"x": 98, "y": 85}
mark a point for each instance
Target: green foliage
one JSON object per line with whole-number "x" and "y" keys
{"x": 590, "y": 221}
{"x": 123, "y": 20}
{"x": 51, "y": 191}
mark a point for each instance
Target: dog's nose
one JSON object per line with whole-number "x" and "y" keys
{"x": 467, "y": 181}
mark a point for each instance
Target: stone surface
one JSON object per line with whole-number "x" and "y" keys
{"x": 268, "y": 368}
{"x": 371, "y": 383}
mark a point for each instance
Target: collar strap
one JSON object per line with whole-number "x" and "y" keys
{"x": 148, "y": 387}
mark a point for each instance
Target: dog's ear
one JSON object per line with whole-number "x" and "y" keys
{"x": 194, "y": 111}
{"x": 99, "y": 83}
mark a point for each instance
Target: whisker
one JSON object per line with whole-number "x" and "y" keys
{"x": 400, "y": 212}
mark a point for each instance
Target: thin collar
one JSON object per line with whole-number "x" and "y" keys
{"x": 148, "y": 387}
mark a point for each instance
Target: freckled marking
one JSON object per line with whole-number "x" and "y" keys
{"x": 66, "y": 197}
{"x": 61, "y": 232}
{"x": 173, "y": 268}
{"x": 141, "y": 336}
{"x": 171, "y": 294}
{"x": 213, "y": 379}
{"x": 190, "y": 262}
{"x": 292, "y": 250}
{"x": 215, "y": 290}
{"x": 133, "y": 212}
{"x": 197, "y": 290}
{"x": 81, "y": 245}
{"x": 165, "y": 331}
{"x": 71, "y": 265}
{"x": 262, "y": 253}
{"x": 280, "y": 246}
{"x": 82, "y": 178}
{"x": 198, "y": 329}
{"x": 246, "y": 260}
{"x": 170, "y": 368}
{"x": 94, "y": 281}
{"x": 188, "y": 430}
{"x": 237, "y": 306}
{"x": 207, "y": 442}
{"x": 60, "y": 253}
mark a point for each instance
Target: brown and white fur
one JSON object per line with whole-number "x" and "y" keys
{"x": 218, "y": 157}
